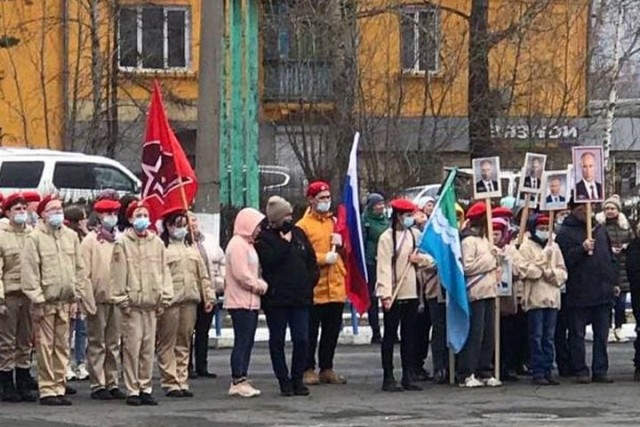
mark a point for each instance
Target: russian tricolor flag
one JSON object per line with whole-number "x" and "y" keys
{"x": 350, "y": 228}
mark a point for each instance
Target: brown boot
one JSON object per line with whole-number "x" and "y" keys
{"x": 330, "y": 377}
{"x": 310, "y": 377}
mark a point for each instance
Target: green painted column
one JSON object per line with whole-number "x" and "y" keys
{"x": 239, "y": 154}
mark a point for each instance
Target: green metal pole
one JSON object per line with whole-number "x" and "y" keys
{"x": 252, "y": 156}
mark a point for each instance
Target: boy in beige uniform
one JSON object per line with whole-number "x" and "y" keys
{"x": 53, "y": 276}
{"x": 103, "y": 329}
{"x": 142, "y": 288}
{"x": 15, "y": 316}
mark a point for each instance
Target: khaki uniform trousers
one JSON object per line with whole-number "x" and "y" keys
{"x": 138, "y": 347}
{"x": 103, "y": 348}
{"x": 53, "y": 349}
{"x": 15, "y": 333}
{"x": 175, "y": 329}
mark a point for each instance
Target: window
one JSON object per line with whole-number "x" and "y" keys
{"x": 420, "y": 39}
{"x": 154, "y": 38}
{"x": 73, "y": 175}
{"x": 21, "y": 175}
{"x": 107, "y": 177}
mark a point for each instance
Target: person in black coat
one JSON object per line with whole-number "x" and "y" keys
{"x": 590, "y": 291}
{"x": 289, "y": 266}
{"x": 633, "y": 274}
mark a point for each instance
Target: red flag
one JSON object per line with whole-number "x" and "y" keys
{"x": 168, "y": 181}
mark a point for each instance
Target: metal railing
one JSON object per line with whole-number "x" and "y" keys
{"x": 295, "y": 81}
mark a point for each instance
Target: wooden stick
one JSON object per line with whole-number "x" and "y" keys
{"x": 496, "y": 313}
{"x": 589, "y": 225}
{"x": 552, "y": 221}
{"x": 523, "y": 219}
{"x": 452, "y": 367}
{"x": 185, "y": 205}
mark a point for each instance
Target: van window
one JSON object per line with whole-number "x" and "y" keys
{"x": 73, "y": 175}
{"x": 21, "y": 174}
{"x": 110, "y": 177}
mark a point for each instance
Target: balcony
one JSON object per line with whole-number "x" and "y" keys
{"x": 305, "y": 81}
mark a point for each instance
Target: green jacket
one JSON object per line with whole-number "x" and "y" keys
{"x": 372, "y": 228}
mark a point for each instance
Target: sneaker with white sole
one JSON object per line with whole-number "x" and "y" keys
{"x": 493, "y": 382}
{"x": 612, "y": 337}
{"x": 71, "y": 375}
{"x": 471, "y": 382}
{"x": 620, "y": 337}
{"x": 243, "y": 389}
{"x": 82, "y": 373}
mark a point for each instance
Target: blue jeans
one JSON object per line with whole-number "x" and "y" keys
{"x": 79, "y": 326}
{"x": 542, "y": 326}
{"x": 245, "y": 323}
{"x": 298, "y": 320}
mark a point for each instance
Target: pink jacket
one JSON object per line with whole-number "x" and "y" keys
{"x": 243, "y": 285}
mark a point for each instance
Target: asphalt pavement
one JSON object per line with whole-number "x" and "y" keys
{"x": 359, "y": 403}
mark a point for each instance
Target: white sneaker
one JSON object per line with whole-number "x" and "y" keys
{"x": 243, "y": 389}
{"x": 493, "y": 382}
{"x": 71, "y": 375}
{"x": 471, "y": 382}
{"x": 612, "y": 336}
{"x": 81, "y": 372}
{"x": 619, "y": 334}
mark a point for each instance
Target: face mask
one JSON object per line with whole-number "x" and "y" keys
{"x": 287, "y": 226}
{"x": 323, "y": 207}
{"x": 109, "y": 222}
{"x": 542, "y": 235}
{"x": 180, "y": 233}
{"x": 20, "y": 218}
{"x": 55, "y": 220}
{"x": 408, "y": 222}
{"x": 141, "y": 224}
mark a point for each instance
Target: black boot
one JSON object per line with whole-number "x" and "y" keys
{"x": 408, "y": 383}
{"x": 9, "y": 393}
{"x": 390, "y": 384}
{"x": 23, "y": 378}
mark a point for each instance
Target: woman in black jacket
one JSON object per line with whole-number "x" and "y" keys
{"x": 289, "y": 266}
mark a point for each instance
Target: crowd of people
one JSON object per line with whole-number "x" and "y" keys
{"x": 131, "y": 293}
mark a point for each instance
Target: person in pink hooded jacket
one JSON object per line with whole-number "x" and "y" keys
{"x": 242, "y": 291}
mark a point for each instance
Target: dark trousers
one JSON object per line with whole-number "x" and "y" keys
{"x": 563, "y": 355}
{"x": 619, "y": 310}
{"x": 579, "y": 318}
{"x": 542, "y": 326}
{"x": 635, "y": 305}
{"x": 297, "y": 318}
{"x": 439, "y": 350}
{"x": 514, "y": 344}
{"x": 403, "y": 314}
{"x": 477, "y": 353}
{"x": 373, "y": 314}
{"x": 200, "y": 345}
{"x": 422, "y": 336}
{"x": 244, "y": 323}
{"x": 329, "y": 317}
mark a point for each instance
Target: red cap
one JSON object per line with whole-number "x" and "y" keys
{"x": 106, "y": 205}
{"x": 476, "y": 211}
{"x": 32, "y": 196}
{"x": 501, "y": 212}
{"x": 45, "y": 201}
{"x": 12, "y": 200}
{"x": 542, "y": 220}
{"x": 133, "y": 206}
{"x": 499, "y": 223}
{"x": 317, "y": 187}
{"x": 403, "y": 206}
{"x": 172, "y": 211}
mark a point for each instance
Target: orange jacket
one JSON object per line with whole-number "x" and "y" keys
{"x": 330, "y": 287}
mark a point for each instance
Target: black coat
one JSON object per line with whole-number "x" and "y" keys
{"x": 591, "y": 277}
{"x": 290, "y": 268}
{"x": 633, "y": 265}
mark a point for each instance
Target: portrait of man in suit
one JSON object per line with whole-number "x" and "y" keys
{"x": 488, "y": 182}
{"x": 534, "y": 175}
{"x": 555, "y": 190}
{"x": 588, "y": 188}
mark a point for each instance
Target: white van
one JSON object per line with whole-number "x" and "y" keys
{"x": 73, "y": 175}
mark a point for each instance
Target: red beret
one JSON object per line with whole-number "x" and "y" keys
{"x": 403, "y": 206}
{"x": 501, "y": 212}
{"x": 476, "y": 211}
{"x": 542, "y": 220}
{"x": 32, "y": 196}
{"x": 133, "y": 206}
{"x": 106, "y": 205}
{"x": 12, "y": 200}
{"x": 317, "y": 187}
{"x": 499, "y": 224}
{"x": 45, "y": 201}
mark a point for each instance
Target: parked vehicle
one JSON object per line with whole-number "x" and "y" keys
{"x": 73, "y": 175}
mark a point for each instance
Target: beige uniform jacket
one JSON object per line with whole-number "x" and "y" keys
{"x": 189, "y": 275}
{"x": 405, "y": 244}
{"x": 52, "y": 268}
{"x": 97, "y": 256}
{"x": 546, "y": 273}
{"x": 480, "y": 264}
{"x": 140, "y": 276}
{"x": 11, "y": 243}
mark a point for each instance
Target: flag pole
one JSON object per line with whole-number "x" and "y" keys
{"x": 496, "y": 322}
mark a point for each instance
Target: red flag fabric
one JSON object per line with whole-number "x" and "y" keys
{"x": 168, "y": 181}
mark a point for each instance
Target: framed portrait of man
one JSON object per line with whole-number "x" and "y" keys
{"x": 486, "y": 178}
{"x": 588, "y": 171}
{"x": 505, "y": 287}
{"x": 532, "y": 197}
{"x": 555, "y": 190}
{"x": 531, "y": 178}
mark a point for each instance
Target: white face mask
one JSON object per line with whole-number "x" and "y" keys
{"x": 323, "y": 207}
{"x": 542, "y": 235}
